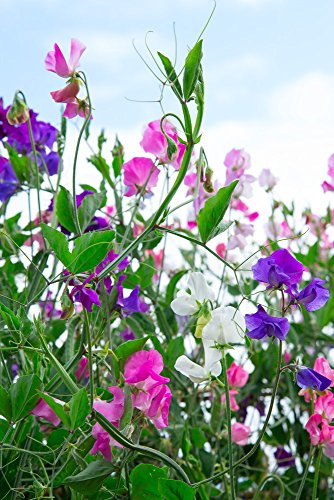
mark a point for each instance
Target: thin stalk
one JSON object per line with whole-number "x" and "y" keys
{"x": 307, "y": 466}
{"x": 316, "y": 474}
{"x": 270, "y": 477}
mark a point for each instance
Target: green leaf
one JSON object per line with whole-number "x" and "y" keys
{"x": 90, "y": 479}
{"x": 57, "y": 408}
{"x": 128, "y": 408}
{"x": 171, "y": 74}
{"x": 170, "y": 291}
{"x": 58, "y": 242}
{"x": 175, "y": 349}
{"x": 9, "y": 317}
{"x": 143, "y": 276}
{"x": 71, "y": 465}
{"x": 210, "y": 217}
{"x": 171, "y": 489}
{"x": 145, "y": 482}
{"x": 65, "y": 210}
{"x": 79, "y": 408}
{"x": 102, "y": 166}
{"x": 125, "y": 350}
{"x": 21, "y": 164}
{"x": 192, "y": 68}
{"x": 89, "y": 250}
{"x": 88, "y": 207}
{"x": 24, "y": 395}
{"x": 5, "y": 405}
{"x": 118, "y": 157}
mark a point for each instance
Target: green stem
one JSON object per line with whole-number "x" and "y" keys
{"x": 316, "y": 474}
{"x": 270, "y": 477}
{"x": 263, "y": 430}
{"x": 144, "y": 450}
{"x": 229, "y": 429}
{"x": 90, "y": 358}
{"x": 307, "y": 466}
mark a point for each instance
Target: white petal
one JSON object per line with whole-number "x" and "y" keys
{"x": 195, "y": 372}
{"x": 226, "y": 326}
{"x": 212, "y": 356}
{"x": 184, "y": 304}
{"x": 199, "y": 287}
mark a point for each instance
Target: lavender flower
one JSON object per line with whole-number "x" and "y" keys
{"x": 314, "y": 296}
{"x": 261, "y": 325}
{"x": 279, "y": 269}
{"x": 307, "y": 378}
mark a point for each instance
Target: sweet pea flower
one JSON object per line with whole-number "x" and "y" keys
{"x": 140, "y": 172}
{"x": 221, "y": 250}
{"x": 233, "y": 403}
{"x": 240, "y": 433}
{"x": 329, "y": 186}
{"x": 284, "y": 458}
{"x": 267, "y": 179}
{"x": 321, "y": 433}
{"x": 43, "y": 410}
{"x": 113, "y": 411}
{"x": 307, "y": 378}
{"x": 154, "y": 142}
{"x": 154, "y": 404}
{"x": 86, "y": 296}
{"x": 314, "y": 296}
{"x": 143, "y": 368}
{"x": 66, "y": 94}
{"x": 236, "y": 375}
{"x": 82, "y": 370}
{"x": 325, "y": 406}
{"x": 321, "y": 365}
{"x": 197, "y": 373}
{"x": 76, "y": 107}
{"x": 56, "y": 62}
{"x": 8, "y": 181}
{"x": 280, "y": 268}
{"x": 236, "y": 162}
{"x": 261, "y": 324}
{"x": 186, "y": 303}
{"x": 226, "y": 326}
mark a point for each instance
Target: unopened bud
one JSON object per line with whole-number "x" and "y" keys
{"x": 208, "y": 186}
{"x": 18, "y": 113}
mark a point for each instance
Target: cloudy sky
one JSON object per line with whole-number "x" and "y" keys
{"x": 268, "y": 68}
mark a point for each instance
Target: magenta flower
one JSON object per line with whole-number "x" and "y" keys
{"x": 261, "y": 324}
{"x": 113, "y": 411}
{"x": 82, "y": 370}
{"x": 56, "y": 62}
{"x": 143, "y": 368}
{"x": 236, "y": 375}
{"x": 321, "y": 433}
{"x": 43, "y": 410}
{"x": 240, "y": 433}
{"x": 140, "y": 172}
{"x": 154, "y": 403}
{"x": 279, "y": 269}
{"x": 325, "y": 406}
{"x": 321, "y": 365}
{"x": 154, "y": 142}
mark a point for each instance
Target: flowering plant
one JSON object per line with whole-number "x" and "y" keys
{"x": 150, "y": 348}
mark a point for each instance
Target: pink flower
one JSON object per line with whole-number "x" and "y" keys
{"x": 321, "y": 365}
{"x": 233, "y": 403}
{"x": 140, "y": 172}
{"x": 267, "y": 179}
{"x": 142, "y": 370}
{"x": 236, "y": 375}
{"x": 308, "y": 395}
{"x": 43, "y": 410}
{"x": 252, "y": 216}
{"x": 321, "y": 433}
{"x": 154, "y": 404}
{"x": 154, "y": 142}
{"x": 56, "y": 62}
{"x": 76, "y": 107}
{"x": 113, "y": 411}
{"x": 221, "y": 250}
{"x": 157, "y": 257}
{"x": 82, "y": 368}
{"x": 240, "y": 433}
{"x": 325, "y": 406}
{"x": 66, "y": 94}
{"x": 236, "y": 161}
{"x": 312, "y": 427}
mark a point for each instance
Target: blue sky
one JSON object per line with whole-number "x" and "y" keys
{"x": 268, "y": 66}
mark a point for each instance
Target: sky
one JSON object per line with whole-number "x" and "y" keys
{"x": 268, "y": 70}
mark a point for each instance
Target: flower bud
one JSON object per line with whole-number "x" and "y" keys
{"x": 18, "y": 113}
{"x": 208, "y": 186}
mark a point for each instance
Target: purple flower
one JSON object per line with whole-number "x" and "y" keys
{"x": 127, "y": 334}
{"x": 132, "y": 303}
{"x": 87, "y": 296}
{"x": 284, "y": 458}
{"x": 261, "y": 325}
{"x": 8, "y": 180}
{"x": 310, "y": 379}
{"x": 280, "y": 268}
{"x": 15, "y": 369}
{"x": 314, "y": 296}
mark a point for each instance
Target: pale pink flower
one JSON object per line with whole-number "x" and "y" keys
{"x": 267, "y": 179}
{"x": 308, "y": 395}
{"x": 321, "y": 365}
{"x": 236, "y": 161}
{"x": 113, "y": 412}
{"x": 82, "y": 369}
{"x": 35, "y": 238}
{"x": 43, "y": 410}
{"x": 76, "y": 107}
{"x": 158, "y": 257}
{"x": 140, "y": 172}
{"x": 56, "y": 62}
{"x": 325, "y": 406}
{"x": 236, "y": 375}
{"x": 154, "y": 142}
{"x": 240, "y": 433}
{"x": 68, "y": 93}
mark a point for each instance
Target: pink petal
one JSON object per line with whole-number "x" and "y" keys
{"x": 77, "y": 49}
{"x": 67, "y": 94}
{"x": 61, "y": 66}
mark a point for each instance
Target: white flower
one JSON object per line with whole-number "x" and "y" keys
{"x": 186, "y": 304}
{"x": 198, "y": 373}
{"x": 267, "y": 179}
{"x": 226, "y": 326}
